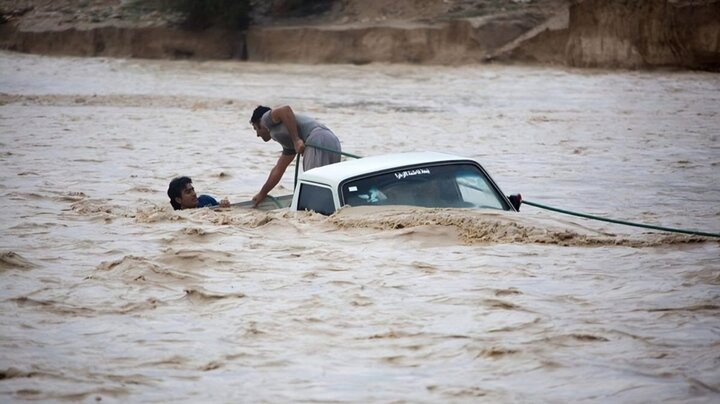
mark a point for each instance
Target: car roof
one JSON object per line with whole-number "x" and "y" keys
{"x": 333, "y": 174}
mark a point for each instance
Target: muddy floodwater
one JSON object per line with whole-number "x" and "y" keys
{"x": 109, "y": 295}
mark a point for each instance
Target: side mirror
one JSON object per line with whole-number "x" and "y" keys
{"x": 516, "y": 201}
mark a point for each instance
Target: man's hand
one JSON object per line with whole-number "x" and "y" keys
{"x": 257, "y": 199}
{"x": 275, "y": 176}
{"x": 299, "y": 147}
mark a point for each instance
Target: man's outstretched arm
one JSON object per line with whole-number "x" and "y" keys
{"x": 275, "y": 176}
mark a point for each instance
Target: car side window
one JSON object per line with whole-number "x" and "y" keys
{"x": 477, "y": 191}
{"x": 316, "y": 198}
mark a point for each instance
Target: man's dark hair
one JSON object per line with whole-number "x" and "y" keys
{"x": 258, "y": 113}
{"x": 175, "y": 190}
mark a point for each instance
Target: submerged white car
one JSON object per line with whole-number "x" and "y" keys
{"x": 426, "y": 179}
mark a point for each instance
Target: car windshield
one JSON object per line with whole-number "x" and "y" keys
{"x": 438, "y": 186}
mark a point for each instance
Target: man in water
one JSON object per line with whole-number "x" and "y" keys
{"x": 292, "y": 132}
{"x": 182, "y": 196}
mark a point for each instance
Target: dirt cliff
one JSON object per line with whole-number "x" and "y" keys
{"x": 583, "y": 33}
{"x": 631, "y": 34}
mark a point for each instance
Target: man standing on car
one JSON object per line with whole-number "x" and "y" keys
{"x": 292, "y": 131}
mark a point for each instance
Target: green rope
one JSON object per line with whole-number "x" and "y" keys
{"x": 297, "y": 161}
{"x": 647, "y": 226}
{"x": 297, "y": 167}
{"x": 332, "y": 151}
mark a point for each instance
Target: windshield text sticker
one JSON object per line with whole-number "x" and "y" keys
{"x": 419, "y": 171}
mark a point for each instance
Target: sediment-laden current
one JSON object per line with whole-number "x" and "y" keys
{"x": 108, "y": 294}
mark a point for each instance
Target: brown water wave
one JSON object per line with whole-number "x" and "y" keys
{"x": 484, "y": 227}
{"x": 92, "y": 207}
{"x": 76, "y": 309}
{"x": 123, "y": 101}
{"x": 11, "y": 260}
{"x": 200, "y": 296}
{"x": 436, "y": 226}
{"x": 55, "y": 307}
{"x": 36, "y": 373}
{"x": 137, "y": 269}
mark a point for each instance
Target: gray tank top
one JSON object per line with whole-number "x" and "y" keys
{"x": 279, "y": 132}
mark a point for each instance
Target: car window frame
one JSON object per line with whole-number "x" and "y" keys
{"x": 507, "y": 206}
